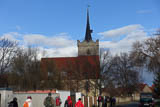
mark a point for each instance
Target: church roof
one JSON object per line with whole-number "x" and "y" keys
{"x": 88, "y": 36}
{"x": 87, "y": 66}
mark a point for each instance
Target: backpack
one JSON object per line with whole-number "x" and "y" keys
{"x": 66, "y": 104}
{"x": 48, "y": 102}
{"x": 25, "y": 104}
{"x": 11, "y": 104}
{"x": 99, "y": 98}
{"x": 58, "y": 102}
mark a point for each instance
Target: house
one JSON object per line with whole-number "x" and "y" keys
{"x": 144, "y": 88}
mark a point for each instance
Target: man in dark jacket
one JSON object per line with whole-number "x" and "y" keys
{"x": 13, "y": 103}
{"x": 49, "y": 101}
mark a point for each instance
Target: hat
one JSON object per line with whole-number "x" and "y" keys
{"x": 14, "y": 99}
{"x": 49, "y": 94}
{"x": 29, "y": 97}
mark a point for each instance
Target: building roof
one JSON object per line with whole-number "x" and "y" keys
{"x": 141, "y": 86}
{"x": 88, "y": 66}
{"x": 145, "y": 88}
{"x": 36, "y": 91}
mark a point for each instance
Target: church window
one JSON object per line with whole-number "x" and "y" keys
{"x": 88, "y": 52}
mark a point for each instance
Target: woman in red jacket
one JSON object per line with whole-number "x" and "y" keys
{"x": 68, "y": 102}
{"x": 79, "y": 103}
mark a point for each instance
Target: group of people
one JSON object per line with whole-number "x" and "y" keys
{"x": 106, "y": 102}
{"x": 68, "y": 103}
{"x": 50, "y": 102}
{"x": 27, "y": 103}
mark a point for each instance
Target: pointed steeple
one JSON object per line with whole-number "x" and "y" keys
{"x": 88, "y": 36}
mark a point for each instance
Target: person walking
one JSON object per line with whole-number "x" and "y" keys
{"x": 105, "y": 101}
{"x": 28, "y": 102}
{"x": 111, "y": 101}
{"x": 68, "y": 102}
{"x": 114, "y": 101}
{"x": 49, "y": 101}
{"x": 79, "y": 103}
{"x": 13, "y": 103}
{"x": 100, "y": 101}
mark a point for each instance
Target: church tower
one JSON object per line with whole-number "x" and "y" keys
{"x": 88, "y": 47}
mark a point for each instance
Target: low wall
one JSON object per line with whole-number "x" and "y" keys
{"x": 6, "y": 96}
{"x": 89, "y": 101}
{"x": 37, "y": 98}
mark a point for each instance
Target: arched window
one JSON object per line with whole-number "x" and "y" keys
{"x": 88, "y": 52}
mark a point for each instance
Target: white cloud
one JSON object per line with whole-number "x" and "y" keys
{"x": 11, "y": 36}
{"x": 132, "y": 33}
{"x": 18, "y": 27}
{"x": 59, "y": 45}
{"x": 54, "y": 41}
{"x": 120, "y": 31}
{"x": 144, "y": 11}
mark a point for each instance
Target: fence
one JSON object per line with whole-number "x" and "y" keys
{"x": 90, "y": 101}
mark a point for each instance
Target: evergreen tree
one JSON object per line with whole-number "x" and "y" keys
{"x": 157, "y": 84}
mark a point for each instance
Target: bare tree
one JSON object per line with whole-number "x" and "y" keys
{"x": 122, "y": 75}
{"x": 147, "y": 53}
{"x": 51, "y": 74}
{"x": 7, "y": 52}
{"x": 105, "y": 64}
{"x": 25, "y": 68}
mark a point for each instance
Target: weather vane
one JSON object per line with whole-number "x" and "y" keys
{"x": 88, "y": 5}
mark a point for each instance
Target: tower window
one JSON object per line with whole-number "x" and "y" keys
{"x": 88, "y": 52}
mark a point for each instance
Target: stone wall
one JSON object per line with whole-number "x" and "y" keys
{"x": 88, "y": 48}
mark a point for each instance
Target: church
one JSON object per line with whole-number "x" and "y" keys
{"x": 79, "y": 73}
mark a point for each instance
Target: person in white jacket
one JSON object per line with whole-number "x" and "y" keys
{"x": 28, "y": 102}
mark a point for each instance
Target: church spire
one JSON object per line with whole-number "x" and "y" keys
{"x": 88, "y": 36}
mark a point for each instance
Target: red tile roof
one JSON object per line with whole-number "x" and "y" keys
{"x": 36, "y": 91}
{"x": 141, "y": 86}
{"x": 82, "y": 64}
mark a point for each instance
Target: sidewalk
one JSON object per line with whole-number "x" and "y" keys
{"x": 122, "y": 103}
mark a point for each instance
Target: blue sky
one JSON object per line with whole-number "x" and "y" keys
{"x": 56, "y": 25}
{"x": 50, "y": 17}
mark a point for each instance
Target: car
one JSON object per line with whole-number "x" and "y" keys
{"x": 146, "y": 100}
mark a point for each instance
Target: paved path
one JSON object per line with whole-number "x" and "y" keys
{"x": 134, "y": 104}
